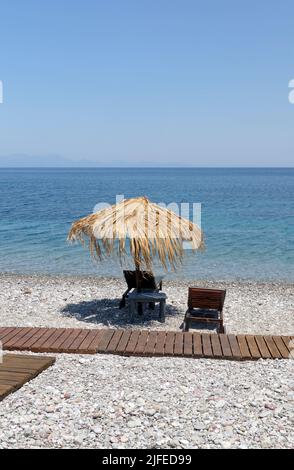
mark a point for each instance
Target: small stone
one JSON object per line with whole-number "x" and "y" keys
{"x": 78, "y": 440}
{"x": 226, "y": 444}
{"x": 50, "y": 409}
{"x": 270, "y": 406}
{"x": 220, "y": 404}
{"x": 199, "y": 426}
{"x": 97, "y": 429}
{"x": 184, "y": 442}
{"x": 134, "y": 423}
{"x": 264, "y": 414}
{"x": 140, "y": 401}
{"x": 67, "y": 395}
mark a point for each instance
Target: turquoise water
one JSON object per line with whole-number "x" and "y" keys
{"x": 247, "y": 217}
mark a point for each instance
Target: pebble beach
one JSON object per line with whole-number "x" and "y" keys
{"x": 105, "y": 401}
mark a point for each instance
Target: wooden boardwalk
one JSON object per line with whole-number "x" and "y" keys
{"x": 146, "y": 343}
{"x": 16, "y": 370}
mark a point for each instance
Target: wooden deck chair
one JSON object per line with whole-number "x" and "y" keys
{"x": 205, "y": 306}
{"x": 146, "y": 281}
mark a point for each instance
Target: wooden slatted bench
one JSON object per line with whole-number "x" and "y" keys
{"x": 16, "y": 370}
{"x": 147, "y": 343}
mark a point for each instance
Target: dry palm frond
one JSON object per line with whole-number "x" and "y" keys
{"x": 148, "y": 229}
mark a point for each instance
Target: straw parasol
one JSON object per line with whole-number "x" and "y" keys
{"x": 141, "y": 228}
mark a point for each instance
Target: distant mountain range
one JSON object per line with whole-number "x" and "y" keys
{"x": 53, "y": 161}
{"x": 56, "y": 161}
{"x": 19, "y": 161}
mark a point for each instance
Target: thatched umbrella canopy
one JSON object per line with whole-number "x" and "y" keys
{"x": 140, "y": 226}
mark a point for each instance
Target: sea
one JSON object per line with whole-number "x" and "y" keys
{"x": 247, "y": 216}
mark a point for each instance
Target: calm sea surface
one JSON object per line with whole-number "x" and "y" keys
{"x": 247, "y": 218}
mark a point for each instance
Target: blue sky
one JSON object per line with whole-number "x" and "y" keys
{"x": 158, "y": 82}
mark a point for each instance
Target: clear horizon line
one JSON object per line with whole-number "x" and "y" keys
{"x": 144, "y": 167}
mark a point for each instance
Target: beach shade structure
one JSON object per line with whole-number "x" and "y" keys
{"x": 138, "y": 228}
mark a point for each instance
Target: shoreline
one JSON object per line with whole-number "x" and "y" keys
{"x": 183, "y": 280}
{"x": 251, "y": 307}
{"x": 169, "y": 277}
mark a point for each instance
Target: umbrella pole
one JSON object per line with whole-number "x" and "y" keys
{"x": 138, "y": 282}
{"x": 138, "y": 277}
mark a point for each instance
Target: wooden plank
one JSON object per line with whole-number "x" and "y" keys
{"x": 74, "y": 347}
{"x": 169, "y": 343}
{"x": 42, "y": 341}
{"x": 197, "y": 345}
{"x": 234, "y": 347}
{"x": 216, "y": 346}
{"x": 263, "y": 349}
{"x": 206, "y": 344}
{"x": 141, "y": 344}
{"x": 84, "y": 341}
{"x": 5, "y": 331}
{"x": 245, "y": 353}
{"x": 253, "y": 348}
{"x": 291, "y": 347}
{"x": 150, "y": 345}
{"x": 5, "y": 390}
{"x": 275, "y": 353}
{"x": 226, "y": 348}
{"x": 70, "y": 339}
{"x": 55, "y": 345}
{"x": 13, "y": 342}
{"x": 2, "y": 331}
{"x": 11, "y": 382}
{"x": 14, "y": 373}
{"x": 13, "y": 332}
{"x": 287, "y": 340}
{"x": 89, "y": 344}
{"x": 123, "y": 342}
{"x": 281, "y": 347}
{"x": 26, "y": 363}
{"x": 160, "y": 343}
{"x": 7, "y": 368}
{"x": 24, "y": 358}
{"x": 105, "y": 340}
{"x": 51, "y": 341}
{"x": 179, "y": 344}
{"x": 113, "y": 343}
{"x": 188, "y": 344}
{"x": 26, "y": 342}
{"x": 36, "y": 345}
{"x": 132, "y": 342}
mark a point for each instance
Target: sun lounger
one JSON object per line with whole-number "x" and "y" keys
{"x": 146, "y": 281}
{"x": 205, "y": 306}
